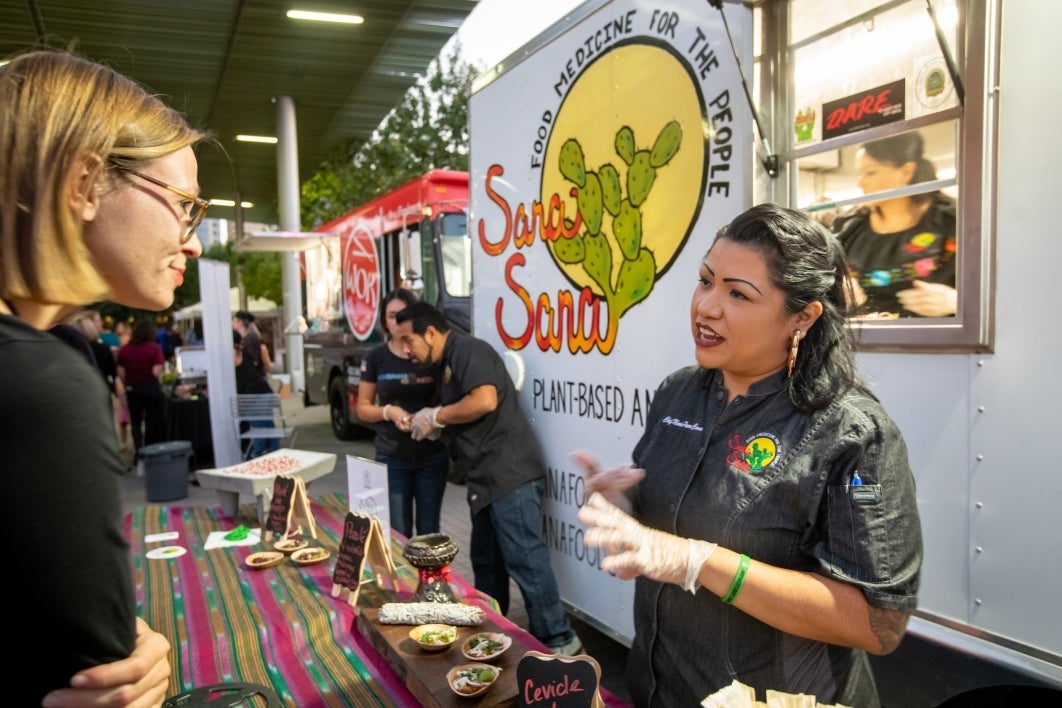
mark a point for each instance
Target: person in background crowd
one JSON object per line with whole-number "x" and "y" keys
{"x": 195, "y": 334}
{"x": 88, "y": 322}
{"x": 770, "y": 514}
{"x": 493, "y": 443}
{"x": 107, "y": 334}
{"x": 393, "y": 387}
{"x": 140, "y": 366}
{"x": 123, "y": 332}
{"x": 97, "y": 202}
{"x": 254, "y": 349}
{"x": 73, "y": 336}
{"x": 901, "y": 250}
{"x": 122, "y": 419}
{"x": 250, "y": 380}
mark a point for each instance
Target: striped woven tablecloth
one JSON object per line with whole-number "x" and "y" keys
{"x": 277, "y": 626}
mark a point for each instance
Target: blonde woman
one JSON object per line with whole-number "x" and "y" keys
{"x": 98, "y": 201}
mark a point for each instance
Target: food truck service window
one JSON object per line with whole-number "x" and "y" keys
{"x": 886, "y": 127}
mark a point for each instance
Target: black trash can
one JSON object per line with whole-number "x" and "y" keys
{"x": 166, "y": 468}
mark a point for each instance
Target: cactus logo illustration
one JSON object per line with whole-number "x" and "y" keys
{"x": 753, "y": 455}
{"x": 804, "y": 125}
{"x": 635, "y": 178}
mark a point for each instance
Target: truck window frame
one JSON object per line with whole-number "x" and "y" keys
{"x": 975, "y": 52}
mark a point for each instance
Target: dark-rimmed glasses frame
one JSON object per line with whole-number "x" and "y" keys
{"x": 196, "y": 211}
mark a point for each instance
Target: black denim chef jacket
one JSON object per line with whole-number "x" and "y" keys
{"x": 763, "y": 478}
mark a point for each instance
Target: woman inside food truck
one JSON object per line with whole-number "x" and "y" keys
{"x": 901, "y": 250}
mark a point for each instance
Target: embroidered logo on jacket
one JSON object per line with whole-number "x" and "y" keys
{"x": 753, "y": 455}
{"x": 675, "y": 422}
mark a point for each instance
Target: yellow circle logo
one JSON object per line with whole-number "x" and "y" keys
{"x": 760, "y": 452}
{"x": 634, "y": 172}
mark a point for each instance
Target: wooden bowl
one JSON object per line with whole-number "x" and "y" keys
{"x": 485, "y": 646}
{"x": 263, "y": 559}
{"x": 310, "y": 556}
{"x": 433, "y": 637}
{"x": 289, "y": 545}
{"x": 470, "y": 680}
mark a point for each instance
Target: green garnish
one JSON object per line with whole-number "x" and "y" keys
{"x": 437, "y": 636}
{"x": 483, "y": 675}
{"x": 482, "y": 645}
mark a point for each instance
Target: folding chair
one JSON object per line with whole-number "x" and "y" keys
{"x": 259, "y": 408}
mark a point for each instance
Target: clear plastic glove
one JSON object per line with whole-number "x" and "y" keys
{"x": 611, "y": 484}
{"x": 929, "y": 299}
{"x": 424, "y": 426}
{"x": 633, "y": 549}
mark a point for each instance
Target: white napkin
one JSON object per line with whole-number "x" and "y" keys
{"x": 217, "y": 539}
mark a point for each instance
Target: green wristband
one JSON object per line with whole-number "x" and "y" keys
{"x": 739, "y": 580}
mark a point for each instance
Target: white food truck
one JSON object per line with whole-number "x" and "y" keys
{"x": 643, "y": 126}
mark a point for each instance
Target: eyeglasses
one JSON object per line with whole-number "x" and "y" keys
{"x": 194, "y": 207}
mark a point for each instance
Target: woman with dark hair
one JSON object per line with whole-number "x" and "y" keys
{"x": 140, "y": 364}
{"x": 770, "y": 514}
{"x": 254, "y": 349}
{"x": 392, "y": 388}
{"x": 900, "y": 250}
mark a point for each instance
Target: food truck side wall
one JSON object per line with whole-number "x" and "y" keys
{"x": 981, "y": 427}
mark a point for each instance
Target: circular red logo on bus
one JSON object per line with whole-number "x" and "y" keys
{"x": 361, "y": 283}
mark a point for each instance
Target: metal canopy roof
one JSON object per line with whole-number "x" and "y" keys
{"x": 223, "y": 62}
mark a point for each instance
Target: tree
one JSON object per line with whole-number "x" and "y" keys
{"x": 427, "y": 130}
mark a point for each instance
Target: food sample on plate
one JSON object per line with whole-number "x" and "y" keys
{"x": 289, "y": 545}
{"x": 264, "y": 466}
{"x": 263, "y": 559}
{"x": 309, "y": 556}
{"x": 433, "y": 637}
{"x": 472, "y": 679}
{"x": 485, "y": 646}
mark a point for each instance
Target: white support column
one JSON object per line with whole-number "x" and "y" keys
{"x": 289, "y": 214}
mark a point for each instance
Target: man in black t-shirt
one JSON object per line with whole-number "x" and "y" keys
{"x": 493, "y": 443}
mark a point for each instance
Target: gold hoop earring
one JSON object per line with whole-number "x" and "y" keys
{"x": 793, "y": 347}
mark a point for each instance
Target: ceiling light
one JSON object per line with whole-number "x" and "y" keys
{"x": 325, "y": 17}
{"x": 257, "y": 139}
{"x": 230, "y": 203}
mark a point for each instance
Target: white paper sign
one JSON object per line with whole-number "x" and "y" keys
{"x": 367, "y": 490}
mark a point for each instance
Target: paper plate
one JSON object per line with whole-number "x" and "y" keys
{"x": 485, "y": 646}
{"x": 289, "y": 545}
{"x": 469, "y": 680}
{"x": 166, "y": 552}
{"x": 263, "y": 559}
{"x": 310, "y": 556}
{"x": 439, "y": 636}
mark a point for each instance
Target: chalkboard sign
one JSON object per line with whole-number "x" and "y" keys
{"x": 556, "y": 681}
{"x": 357, "y": 534}
{"x": 280, "y": 507}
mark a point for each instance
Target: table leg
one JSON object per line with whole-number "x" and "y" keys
{"x": 230, "y": 503}
{"x": 265, "y": 499}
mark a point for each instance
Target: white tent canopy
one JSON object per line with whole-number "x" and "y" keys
{"x": 255, "y": 305}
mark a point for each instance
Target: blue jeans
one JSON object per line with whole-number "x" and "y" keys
{"x": 507, "y": 542}
{"x": 260, "y": 446}
{"x": 418, "y": 482}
